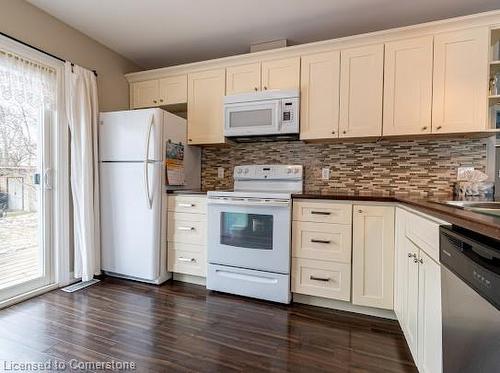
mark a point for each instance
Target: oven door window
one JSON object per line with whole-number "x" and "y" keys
{"x": 252, "y": 231}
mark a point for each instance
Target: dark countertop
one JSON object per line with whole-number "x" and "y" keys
{"x": 480, "y": 223}
{"x": 186, "y": 191}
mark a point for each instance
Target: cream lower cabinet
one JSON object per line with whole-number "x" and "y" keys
{"x": 206, "y": 90}
{"x": 319, "y": 91}
{"x": 460, "y": 88}
{"x": 321, "y": 249}
{"x": 186, "y": 234}
{"x": 361, "y": 90}
{"x": 373, "y": 256}
{"x": 418, "y": 291}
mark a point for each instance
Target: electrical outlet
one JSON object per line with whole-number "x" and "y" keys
{"x": 462, "y": 170}
{"x": 220, "y": 172}
{"x": 325, "y": 174}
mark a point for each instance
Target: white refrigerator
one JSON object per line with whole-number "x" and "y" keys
{"x": 132, "y": 155}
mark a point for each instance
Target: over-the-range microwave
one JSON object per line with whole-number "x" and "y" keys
{"x": 272, "y": 114}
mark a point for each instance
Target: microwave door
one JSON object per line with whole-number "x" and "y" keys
{"x": 252, "y": 118}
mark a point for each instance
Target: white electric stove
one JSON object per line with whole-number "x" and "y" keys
{"x": 249, "y": 232}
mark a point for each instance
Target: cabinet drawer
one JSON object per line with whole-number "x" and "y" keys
{"x": 186, "y": 228}
{"x": 188, "y": 203}
{"x": 321, "y": 241}
{"x": 322, "y": 212}
{"x": 323, "y": 279}
{"x": 187, "y": 262}
{"x": 424, "y": 233}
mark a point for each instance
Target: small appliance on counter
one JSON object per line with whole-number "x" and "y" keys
{"x": 258, "y": 116}
{"x": 249, "y": 232}
{"x": 140, "y": 151}
{"x": 474, "y": 183}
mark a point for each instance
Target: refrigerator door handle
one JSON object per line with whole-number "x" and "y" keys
{"x": 149, "y": 201}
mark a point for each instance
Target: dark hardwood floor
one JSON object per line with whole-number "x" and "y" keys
{"x": 182, "y": 327}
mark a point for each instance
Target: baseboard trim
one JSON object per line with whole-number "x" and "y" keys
{"x": 28, "y": 295}
{"x": 197, "y": 280}
{"x": 343, "y": 306}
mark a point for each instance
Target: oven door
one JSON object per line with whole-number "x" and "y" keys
{"x": 252, "y": 118}
{"x": 249, "y": 233}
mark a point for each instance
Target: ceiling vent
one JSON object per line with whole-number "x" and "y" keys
{"x": 266, "y": 45}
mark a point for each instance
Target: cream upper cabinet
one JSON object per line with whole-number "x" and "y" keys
{"x": 429, "y": 315}
{"x": 281, "y": 74}
{"x": 243, "y": 78}
{"x": 206, "y": 90}
{"x": 144, "y": 94}
{"x": 460, "y": 101}
{"x": 408, "y": 86}
{"x": 319, "y": 91}
{"x": 173, "y": 90}
{"x": 373, "y": 256}
{"x": 361, "y": 89}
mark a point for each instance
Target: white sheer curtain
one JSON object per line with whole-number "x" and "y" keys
{"x": 82, "y": 112}
{"x": 27, "y": 91}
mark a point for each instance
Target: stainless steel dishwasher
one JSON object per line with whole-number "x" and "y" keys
{"x": 470, "y": 283}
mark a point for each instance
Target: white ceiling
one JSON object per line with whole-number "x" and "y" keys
{"x": 156, "y": 33}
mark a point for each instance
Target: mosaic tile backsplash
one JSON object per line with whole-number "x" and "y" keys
{"x": 424, "y": 167}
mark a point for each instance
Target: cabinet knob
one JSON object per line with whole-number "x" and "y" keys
{"x": 421, "y": 261}
{"x": 155, "y": 102}
{"x": 412, "y": 255}
{"x": 190, "y": 139}
{"x": 344, "y": 132}
{"x": 161, "y": 100}
{"x": 424, "y": 128}
{"x": 256, "y": 89}
{"x": 439, "y": 127}
{"x": 360, "y": 211}
{"x": 333, "y": 132}
{"x": 265, "y": 87}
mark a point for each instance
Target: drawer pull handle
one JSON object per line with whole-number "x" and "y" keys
{"x": 185, "y": 228}
{"x": 190, "y": 260}
{"x": 186, "y": 205}
{"x": 320, "y": 213}
{"x": 321, "y": 241}
{"x": 319, "y": 278}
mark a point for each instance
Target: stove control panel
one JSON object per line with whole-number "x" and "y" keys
{"x": 268, "y": 172}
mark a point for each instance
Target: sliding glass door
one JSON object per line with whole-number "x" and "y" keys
{"x": 27, "y": 113}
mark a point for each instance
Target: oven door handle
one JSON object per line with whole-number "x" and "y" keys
{"x": 249, "y": 203}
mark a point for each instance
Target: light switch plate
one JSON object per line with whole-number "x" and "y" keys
{"x": 220, "y": 172}
{"x": 325, "y": 174}
{"x": 462, "y": 170}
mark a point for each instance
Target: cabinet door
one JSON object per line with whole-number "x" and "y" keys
{"x": 243, "y": 78}
{"x": 400, "y": 264}
{"x": 429, "y": 316}
{"x": 144, "y": 94}
{"x": 173, "y": 90}
{"x": 410, "y": 310}
{"x": 281, "y": 74}
{"x": 460, "y": 102}
{"x": 319, "y": 90}
{"x": 361, "y": 82}
{"x": 408, "y": 86}
{"x": 206, "y": 91}
{"x": 373, "y": 256}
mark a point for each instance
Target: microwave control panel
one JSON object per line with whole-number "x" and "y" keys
{"x": 289, "y": 113}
